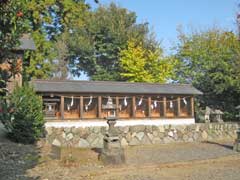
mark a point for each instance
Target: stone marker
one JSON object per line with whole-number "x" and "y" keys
{"x": 207, "y": 115}
{"x": 236, "y": 146}
{"x": 238, "y": 115}
{"x": 55, "y": 152}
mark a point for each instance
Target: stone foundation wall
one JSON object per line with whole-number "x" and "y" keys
{"x": 92, "y": 137}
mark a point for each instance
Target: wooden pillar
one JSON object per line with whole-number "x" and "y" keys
{"x": 164, "y": 106}
{"x": 178, "y": 106}
{"x": 117, "y": 106}
{"x": 133, "y": 106}
{"x": 192, "y": 106}
{"x": 99, "y": 107}
{"x": 149, "y": 107}
{"x": 62, "y": 107}
{"x": 81, "y": 107}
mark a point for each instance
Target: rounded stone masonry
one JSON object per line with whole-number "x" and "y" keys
{"x": 92, "y": 137}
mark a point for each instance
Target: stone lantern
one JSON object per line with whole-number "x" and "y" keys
{"x": 112, "y": 152}
{"x": 110, "y": 108}
{"x": 218, "y": 115}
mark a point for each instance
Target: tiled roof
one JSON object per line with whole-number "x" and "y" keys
{"x": 70, "y": 86}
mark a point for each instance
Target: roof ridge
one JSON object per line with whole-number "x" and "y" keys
{"x": 112, "y": 87}
{"x": 116, "y": 82}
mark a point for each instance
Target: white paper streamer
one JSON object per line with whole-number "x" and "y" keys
{"x": 155, "y": 104}
{"x": 89, "y": 103}
{"x": 171, "y": 104}
{"x": 68, "y": 107}
{"x": 71, "y": 102}
{"x": 184, "y": 101}
{"x": 125, "y": 101}
{"x": 140, "y": 102}
{"x": 152, "y": 106}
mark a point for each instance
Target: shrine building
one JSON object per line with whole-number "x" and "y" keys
{"x": 81, "y": 102}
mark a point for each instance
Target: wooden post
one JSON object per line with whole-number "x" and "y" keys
{"x": 134, "y": 106}
{"x": 81, "y": 107}
{"x": 62, "y": 107}
{"x": 192, "y": 106}
{"x": 178, "y": 106}
{"x": 149, "y": 107}
{"x": 99, "y": 106}
{"x": 164, "y": 106}
{"x": 117, "y": 106}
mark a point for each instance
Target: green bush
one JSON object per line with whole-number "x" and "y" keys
{"x": 22, "y": 115}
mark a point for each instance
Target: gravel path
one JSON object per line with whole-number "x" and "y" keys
{"x": 224, "y": 168}
{"x": 178, "y": 152}
{"x": 193, "y": 161}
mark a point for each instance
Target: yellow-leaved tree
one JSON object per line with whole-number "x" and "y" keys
{"x": 139, "y": 64}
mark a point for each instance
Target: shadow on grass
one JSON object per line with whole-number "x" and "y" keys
{"x": 16, "y": 159}
{"x": 220, "y": 144}
{"x": 98, "y": 151}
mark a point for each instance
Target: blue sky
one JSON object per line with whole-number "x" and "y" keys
{"x": 164, "y": 16}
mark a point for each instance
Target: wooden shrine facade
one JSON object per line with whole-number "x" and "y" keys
{"x": 85, "y": 99}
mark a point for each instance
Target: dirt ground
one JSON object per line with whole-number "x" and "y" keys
{"x": 183, "y": 161}
{"x": 219, "y": 165}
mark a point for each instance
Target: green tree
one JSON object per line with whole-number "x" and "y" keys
{"x": 45, "y": 20}
{"x": 210, "y": 60}
{"x": 13, "y": 23}
{"x": 143, "y": 65}
{"x": 61, "y": 69}
{"x": 49, "y": 19}
{"x": 95, "y": 48}
{"x": 21, "y": 114}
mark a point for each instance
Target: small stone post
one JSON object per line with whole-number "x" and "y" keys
{"x": 238, "y": 115}
{"x": 236, "y": 146}
{"x": 207, "y": 115}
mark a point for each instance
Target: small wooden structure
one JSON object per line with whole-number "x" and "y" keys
{"x": 26, "y": 43}
{"x": 86, "y": 99}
